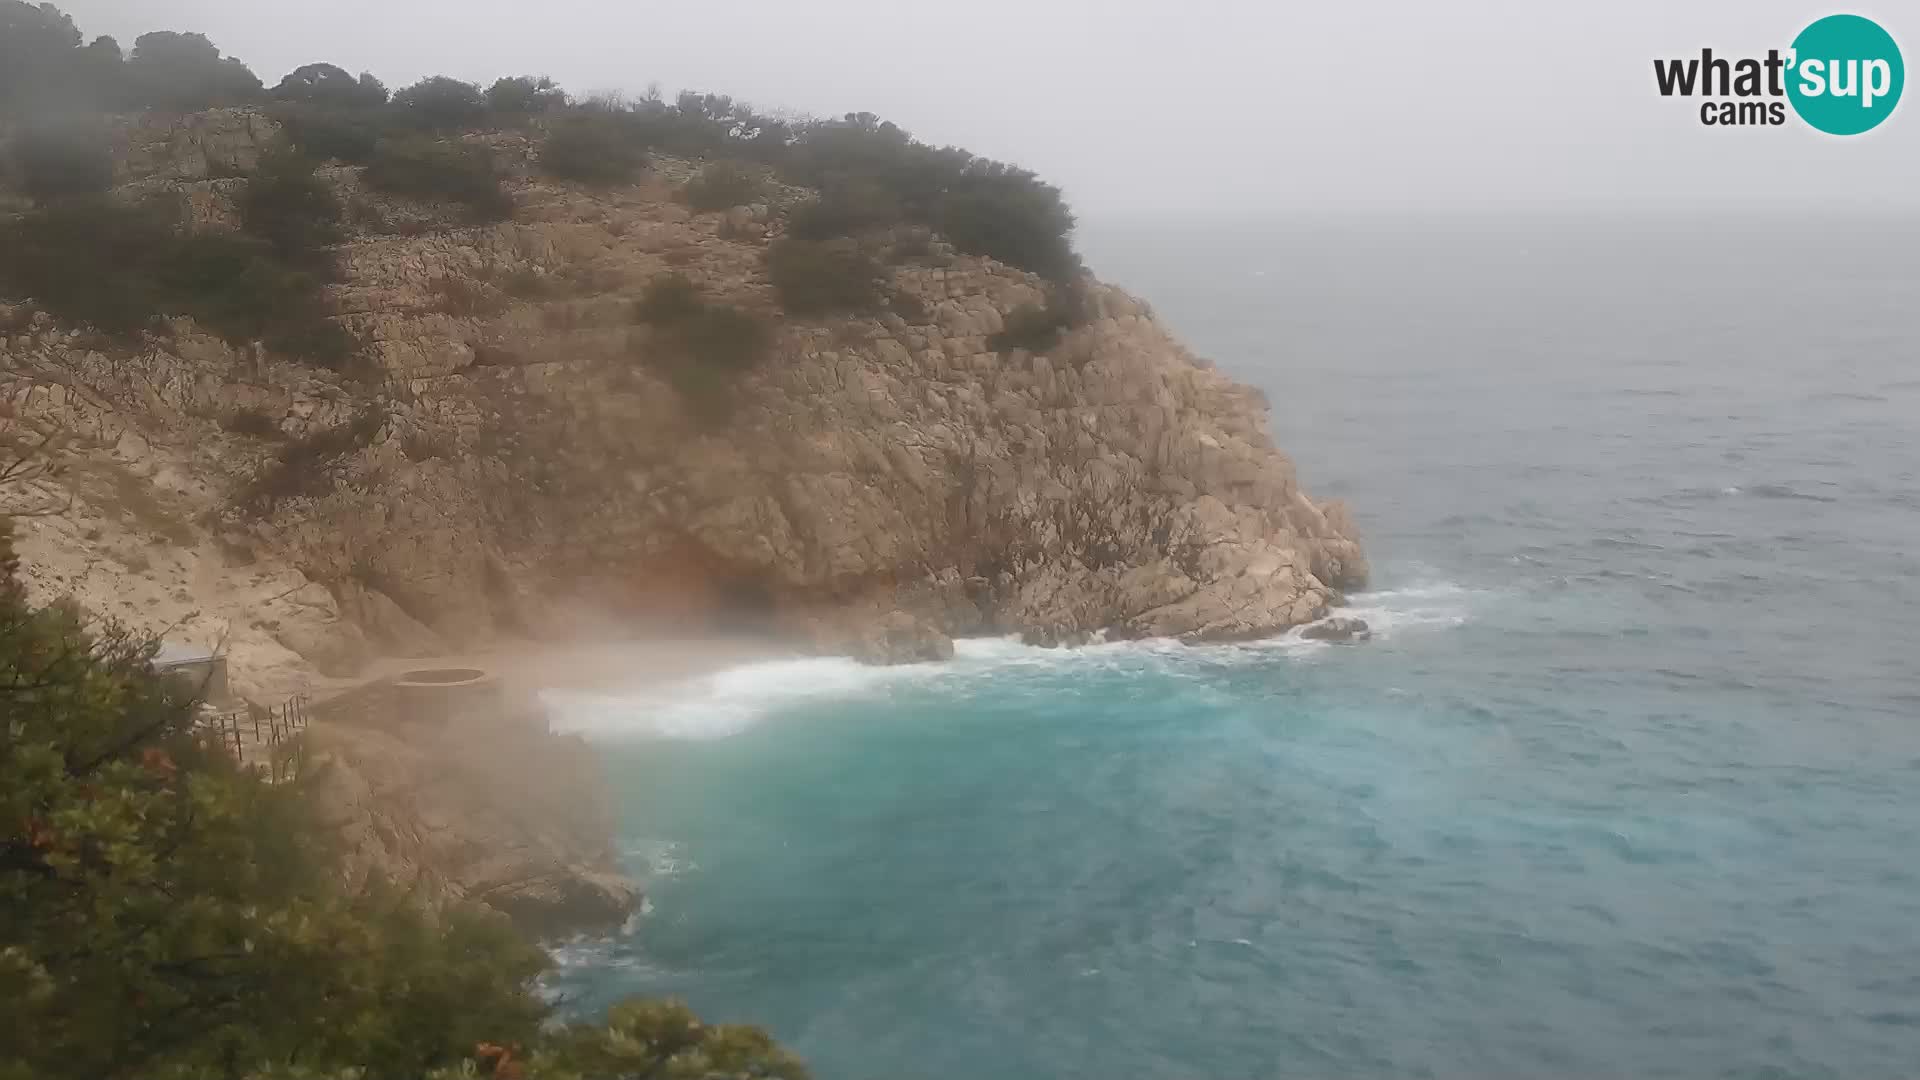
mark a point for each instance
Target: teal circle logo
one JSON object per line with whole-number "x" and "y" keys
{"x": 1846, "y": 75}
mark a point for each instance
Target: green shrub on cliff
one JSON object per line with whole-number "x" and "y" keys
{"x": 1005, "y": 214}
{"x": 1037, "y": 328}
{"x": 822, "y": 277}
{"x": 984, "y": 207}
{"x": 437, "y": 170}
{"x": 700, "y": 347}
{"x": 331, "y": 134}
{"x": 117, "y": 268}
{"x": 291, "y": 209}
{"x": 722, "y": 185}
{"x": 846, "y": 208}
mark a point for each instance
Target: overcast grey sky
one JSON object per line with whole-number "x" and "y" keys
{"x": 1149, "y": 108}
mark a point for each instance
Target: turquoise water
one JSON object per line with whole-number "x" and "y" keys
{"x": 1628, "y": 785}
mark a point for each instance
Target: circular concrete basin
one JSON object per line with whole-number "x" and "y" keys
{"x": 442, "y": 677}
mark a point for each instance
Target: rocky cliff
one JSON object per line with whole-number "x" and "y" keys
{"x": 508, "y": 463}
{"x": 512, "y": 821}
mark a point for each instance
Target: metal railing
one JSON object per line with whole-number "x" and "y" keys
{"x": 250, "y": 729}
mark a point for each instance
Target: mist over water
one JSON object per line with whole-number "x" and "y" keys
{"x": 1625, "y": 787}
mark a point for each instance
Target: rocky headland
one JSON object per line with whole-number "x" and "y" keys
{"x": 885, "y": 483}
{"x": 502, "y": 460}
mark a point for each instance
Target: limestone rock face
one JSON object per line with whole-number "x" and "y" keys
{"x": 191, "y": 146}
{"x": 884, "y": 483}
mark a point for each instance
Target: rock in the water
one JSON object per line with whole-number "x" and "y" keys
{"x": 565, "y": 900}
{"x": 1338, "y": 628}
{"x": 902, "y": 638}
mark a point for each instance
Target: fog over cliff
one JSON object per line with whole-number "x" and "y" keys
{"x": 1294, "y": 109}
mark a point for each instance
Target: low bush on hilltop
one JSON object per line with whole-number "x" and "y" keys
{"x": 723, "y": 185}
{"x": 333, "y": 134}
{"x": 331, "y": 86}
{"x": 823, "y": 277}
{"x": 847, "y": 208}
{"x": 436, "y": 170}
{"x": 1001, "y": 213}
{"x": 593, "y": 148}
{"x": 439, "y": 103}
{"x": 524, "y": 95}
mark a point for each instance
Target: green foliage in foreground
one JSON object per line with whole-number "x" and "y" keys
{"x": 165, "y": 916}
{"x": 640, "y": 1040}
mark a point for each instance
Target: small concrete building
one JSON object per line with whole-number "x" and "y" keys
{"x": 201, "y": 667}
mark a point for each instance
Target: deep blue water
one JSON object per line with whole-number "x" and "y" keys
{"x": 1629, "y": 786}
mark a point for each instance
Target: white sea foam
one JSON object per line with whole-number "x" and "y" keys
{"x": 727, "y": 702}
{"x": 1420, "y": 607}
{"x": 721, "y": 703}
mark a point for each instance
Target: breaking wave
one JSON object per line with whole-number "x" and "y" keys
{"x": 726, "y": 702}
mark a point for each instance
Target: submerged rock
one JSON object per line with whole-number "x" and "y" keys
{"x": 1338, "y": 628}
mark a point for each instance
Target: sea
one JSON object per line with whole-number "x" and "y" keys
{"x": 1627, "y": 783}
